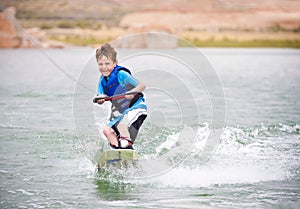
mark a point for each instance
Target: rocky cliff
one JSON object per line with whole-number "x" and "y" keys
{"x": 10, "y": 37}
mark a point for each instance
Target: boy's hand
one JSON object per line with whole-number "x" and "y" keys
{"x": 98, "y": 99}
{"x": 129, "y": 97}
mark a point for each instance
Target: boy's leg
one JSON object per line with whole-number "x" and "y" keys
{"x": 134, "y": 128}
{"x": 129, "y": 133}
{"x": 132, "y": 131}
{"x": 111, "y": 136}
{"x": 122, "y": 127}
{"x": 124, "y": 137}
{"x": 125, "y": 140}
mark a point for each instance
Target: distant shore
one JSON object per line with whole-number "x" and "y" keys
{"x": 210, "y": 23}
{"x": 84, "y": 33}
{"x": 198, "y": 39}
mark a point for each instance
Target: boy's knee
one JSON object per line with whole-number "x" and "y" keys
{"x": 107, "y": 131}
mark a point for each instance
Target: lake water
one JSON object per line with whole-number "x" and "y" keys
{"x": 233, "y": 113}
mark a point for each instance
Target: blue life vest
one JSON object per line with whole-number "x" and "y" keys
{"x": 112, "y": 87}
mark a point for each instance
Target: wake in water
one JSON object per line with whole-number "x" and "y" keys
{"x": 244, "y": 155}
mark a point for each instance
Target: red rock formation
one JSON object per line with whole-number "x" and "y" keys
{"x": 10, "y": 37}
{"x": 8, "y": 34}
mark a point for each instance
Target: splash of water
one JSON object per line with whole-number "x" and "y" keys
{"x": 244, "y": 155}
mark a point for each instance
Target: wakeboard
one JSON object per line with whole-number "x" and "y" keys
{"x": 117, "y": 157}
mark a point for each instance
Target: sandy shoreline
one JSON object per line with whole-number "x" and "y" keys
{"x": 88, "y": 37}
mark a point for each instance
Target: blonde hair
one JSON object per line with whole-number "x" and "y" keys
{"x": 108, "y": 51}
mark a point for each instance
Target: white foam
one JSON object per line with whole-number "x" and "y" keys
{"x": 169, "y": 143}
{"x": 243, "y": 156}
{"x": 206, "y": 176}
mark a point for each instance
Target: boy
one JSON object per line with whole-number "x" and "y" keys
{"x": 128, "y": 113}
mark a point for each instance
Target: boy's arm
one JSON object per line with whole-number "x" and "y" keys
{"x": 139, "y": 88}
{"x": 126, "y": 79}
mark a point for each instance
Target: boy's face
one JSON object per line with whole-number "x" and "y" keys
{"x": 106, "y": 65}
